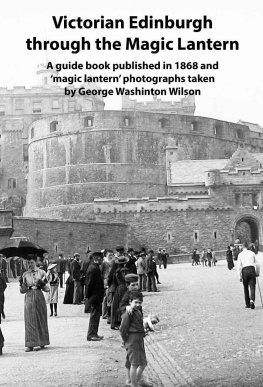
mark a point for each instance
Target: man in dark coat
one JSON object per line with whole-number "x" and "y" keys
{"x": 131, "y": 265}
{"x": 94, "y": 294}
{"x": 61, "y": 265}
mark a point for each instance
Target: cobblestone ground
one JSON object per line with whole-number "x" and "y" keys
{"x": 205, "y": 338}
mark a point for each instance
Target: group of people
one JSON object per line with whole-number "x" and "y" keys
{"x": 205, "y": 258}
{"x": 109, "y": 283}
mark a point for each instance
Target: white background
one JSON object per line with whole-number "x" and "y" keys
{"x": 237, "y": 92}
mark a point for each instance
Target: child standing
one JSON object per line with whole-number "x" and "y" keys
{"x": 53, "y": 279}
{"x": 132, "y": 333}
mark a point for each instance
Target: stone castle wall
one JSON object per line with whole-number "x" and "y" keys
{"x": 68, "y": 237}
{"x": 109, "y": 154}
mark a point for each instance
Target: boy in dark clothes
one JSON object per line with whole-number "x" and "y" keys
{"x": 132, "y": 284}
{"x": 132, "y": 333}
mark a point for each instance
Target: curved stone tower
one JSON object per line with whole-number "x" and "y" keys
{"x": 76, "y": 157}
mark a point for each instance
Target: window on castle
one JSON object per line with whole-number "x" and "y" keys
{"x": 19, "y": 104}
{"x": 127, "y": 121}
{"x": 218, "y": 131}
{"x": 196, "y": 236}
{"x": 247, "y": 199}
{"x": 32, "y": 132}
{"x": 2, "y": 110}
{"x": 36, "y": 107}
{"x": 11, "y": 183}
{"x": 169, "y": 237}
{"x": 254, "y": 199}
{"x": 238, "y": 199}
{"x": 55, "y": 104}
{"x": 194, "y": 126}
{"x": 88, "y": 122}
{"x": 215, "y": 234}
{"x": 163, "y": 123}
{"x": 53, "y": 126}
{"x": 25, "y": 152}
{"x": 240, "y": 134}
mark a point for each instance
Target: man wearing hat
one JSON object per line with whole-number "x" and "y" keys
{"x": 131, "y": 265}
{"x": 94, "y": 294}
{"x": 132, "y": 284}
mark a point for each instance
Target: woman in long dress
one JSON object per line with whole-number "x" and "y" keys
{"x": 2, "y": 314}
{"x": 32, "y": 283}
{"x": 53, "y": 280}
{"x": 229, "y": 258}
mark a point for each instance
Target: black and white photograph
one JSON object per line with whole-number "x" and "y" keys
{"x": 131, "y": 193}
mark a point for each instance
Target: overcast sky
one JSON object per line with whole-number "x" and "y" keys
{"x": 238, "y": 88}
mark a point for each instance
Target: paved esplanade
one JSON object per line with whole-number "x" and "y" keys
{"x": 206, "y": 337}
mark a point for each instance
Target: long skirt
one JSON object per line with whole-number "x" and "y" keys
{"x": 230, "y": 263}
{"x": 68, "y": 298}
{"x": 52, "y": 296}
{"x": 36, "y": 319}
{"x": 1, "y": 338}
{"x": 115, "y": 311}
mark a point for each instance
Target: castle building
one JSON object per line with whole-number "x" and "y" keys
{"x": 160, "y": 174}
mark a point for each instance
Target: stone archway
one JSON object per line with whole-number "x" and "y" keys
{"x": 247, "y": 229}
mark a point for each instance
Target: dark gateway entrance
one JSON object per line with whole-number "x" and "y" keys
{"x": 246, "y": 230}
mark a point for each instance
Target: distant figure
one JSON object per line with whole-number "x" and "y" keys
{"x": 13, "y": 267}
{"x": 2, "y": 314}
{"x": 165, "y": 258}
{"x": 3, "y": 286}
{"x": 203, "y": 258}
{"x": 61, "y": 266}
{"x": 214, "y": 260}
{"x": 194, "y": 258}
{"x": 209, "y": 257}
{"x": 229, "y": 258}
{"x": 160, "y": 258}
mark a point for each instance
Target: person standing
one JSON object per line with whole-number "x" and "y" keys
{"x": 160, "y": 258}
{"x": 32, "y": 283}
{"x": 209, "y": 257}
{"x": 214, "y": 260}
{"x": 61, "y": 264}
{"x": 229, "y": 258}
{"x": 105, "y": 270}
{"x": 13, "y": 267}
{"x": 3, "y": 267}
{"x": 151, "y": 283}
{"x": 131, "y": 265}
{"x": 94, "y": 294}
{"x": 141, "y": 270}
{"x": 53, "y": 280}
{"x": 3, "y": 286}
{"x": 76, "y": 275}
{"x": 246, "y": 269}
{"x": 165, "y": 258}
{"x": 203, "y": 258}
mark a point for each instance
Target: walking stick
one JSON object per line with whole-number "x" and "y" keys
{"x": 260, "y": 293}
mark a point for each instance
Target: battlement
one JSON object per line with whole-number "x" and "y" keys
{"x": 183, "y": 106}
